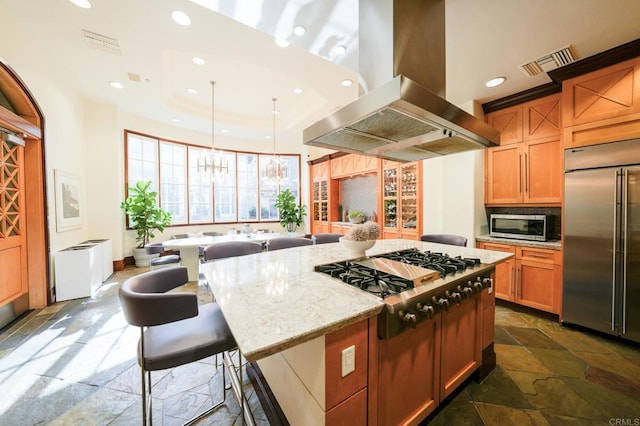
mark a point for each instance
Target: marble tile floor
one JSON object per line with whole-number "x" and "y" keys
{"x": 73, "y": 363}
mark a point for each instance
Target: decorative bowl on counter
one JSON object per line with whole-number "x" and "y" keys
{"x": 357, "y": 248}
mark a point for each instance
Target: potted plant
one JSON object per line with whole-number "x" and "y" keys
{"x": 356, "y": 216}
{"x": 145, "y": 217}
{"x": 291, "y": 214}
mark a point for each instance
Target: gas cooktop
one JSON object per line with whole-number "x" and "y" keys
{"x": 398, "y": 271}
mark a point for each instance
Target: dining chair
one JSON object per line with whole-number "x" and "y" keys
{"x": 174, "y": 330}
{"x": 172, "y": 259}
{"x": 286, "y": 242}
{"x": 454, "y": 240}
{"x": 231, "y": 249}
{"x": 326, "y": 238}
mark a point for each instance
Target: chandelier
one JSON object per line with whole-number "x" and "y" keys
{"x": 275, "y": 170}
{"x": 212, "y": 162}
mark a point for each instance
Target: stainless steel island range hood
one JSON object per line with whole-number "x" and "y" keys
{"x": 405, "y": 116}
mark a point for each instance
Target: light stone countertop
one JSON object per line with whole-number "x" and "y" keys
{"x": 550, "y": 244}
{"x": 274, "y": 300}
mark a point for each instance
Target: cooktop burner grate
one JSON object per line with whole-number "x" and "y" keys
{"x": 384, "y": 284}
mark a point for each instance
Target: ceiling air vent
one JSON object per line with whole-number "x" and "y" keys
{"x": 549, "y": 62}
{"x": 101, "y": 42}
{"x": 134, "y": 77}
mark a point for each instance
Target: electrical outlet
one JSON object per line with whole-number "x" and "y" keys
{"x": 348, "y": 360}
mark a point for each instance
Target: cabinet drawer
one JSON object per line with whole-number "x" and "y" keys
{"x": 539, "y": 255}
{"x": 497, "y": 247}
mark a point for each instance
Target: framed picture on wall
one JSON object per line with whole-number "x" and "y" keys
{"x": 68, "y": 201}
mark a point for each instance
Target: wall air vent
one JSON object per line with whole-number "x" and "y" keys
{"x": 101, "y": 42}
{"x": 134, "y": 77}
{"x": 549, "y": 62}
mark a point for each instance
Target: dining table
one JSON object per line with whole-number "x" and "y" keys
{"x": 189, "y": 247}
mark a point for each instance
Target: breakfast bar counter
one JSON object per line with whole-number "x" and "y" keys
{"x": 274, "y": 300}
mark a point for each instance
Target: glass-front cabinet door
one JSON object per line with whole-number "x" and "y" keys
{"x": 401, "y": 191}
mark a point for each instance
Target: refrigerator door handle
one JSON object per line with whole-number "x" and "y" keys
{"x": 615, "y": 246}
{"x": 625, "y": 212}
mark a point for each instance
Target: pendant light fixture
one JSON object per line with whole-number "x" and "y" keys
{"x": 213, "y": 162}
{"x": 275, "y": 170}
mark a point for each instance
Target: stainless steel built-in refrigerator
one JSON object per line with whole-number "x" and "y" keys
{"x": 601, "y": 282}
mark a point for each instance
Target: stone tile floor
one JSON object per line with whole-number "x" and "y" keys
{"x": 73, "y": 363}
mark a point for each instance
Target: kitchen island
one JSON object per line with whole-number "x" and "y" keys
{"x": 302, "y": 327}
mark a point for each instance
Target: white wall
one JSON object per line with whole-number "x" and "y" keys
{"x": 453, "y": 195}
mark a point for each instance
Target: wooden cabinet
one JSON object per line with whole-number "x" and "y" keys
{"x": 461, "y": 343}
{"x": 533, "y": 278}
{"x": 602, "y": 106}
{"x": 525, "y": 173}
{"x": 527, "y": 167}
{"x": 353, "y": 164}
{"x": 401, "y": 200}
{"x": 408, "y": 374}
{"x": 323, "y": 190}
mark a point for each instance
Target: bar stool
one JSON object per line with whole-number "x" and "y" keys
{"x": 454, "y": 240}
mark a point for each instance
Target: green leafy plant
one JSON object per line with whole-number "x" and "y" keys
{"x": 144, "y": 213}
{"x": 291, "y": 214}
{"x": 355, "y": 213}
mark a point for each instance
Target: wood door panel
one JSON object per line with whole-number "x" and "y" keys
{"x": 351, "y": 412}
{"x": 509, "y": 123}
{"x": 610, "y": 92}
{"x": 543, "y": 174}
{"x": 542, "y": 118}
{"x": 503, "y": 181}
{"x": 537, "y": 285}
{"x": 461, "y": 343}
{"x": 339, "y": 388}
{"x": 408, "y": 374}
{"x": 13, "y": 245}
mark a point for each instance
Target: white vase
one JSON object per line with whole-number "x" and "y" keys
{"x": 142, "y": 258}
{"x": 357, "y": 248}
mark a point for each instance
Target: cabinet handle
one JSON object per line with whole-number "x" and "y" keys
{"x": 520, "y": 173}
{"x": 541, "y": 256}
{"x": 511, "y": 282}
{"x": 526, "y": 173}
{"x": 517, "y": 280}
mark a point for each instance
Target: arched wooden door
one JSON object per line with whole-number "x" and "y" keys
{"x": 24, "y": 269}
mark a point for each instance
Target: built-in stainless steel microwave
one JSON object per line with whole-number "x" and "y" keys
{"x": 519, "y": 226}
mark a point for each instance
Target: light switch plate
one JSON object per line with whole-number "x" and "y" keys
{"x": 348, "y": 360}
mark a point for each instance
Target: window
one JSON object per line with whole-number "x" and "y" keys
{"x": 240, "y": 194}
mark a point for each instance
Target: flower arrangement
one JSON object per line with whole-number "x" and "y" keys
{"x": 363, "y": 232}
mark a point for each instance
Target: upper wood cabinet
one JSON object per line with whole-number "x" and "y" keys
{"x": 602, "y": 106}
{"x": 610, "y": 92}
{"x": 353, "y": 164}
{"x": 536, "y": 119}
{"x": 525, "y": 173}
{"x": 528, "y": 170}
{"x": 508, "y": 122}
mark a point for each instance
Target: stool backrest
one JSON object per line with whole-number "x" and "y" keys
{"x": 454, "y": 240}
{"x": 231, "y": 249}
{"x": 145, "y": 302}
{"x": 327, "y": 238}
{"x": 286, "y": 242}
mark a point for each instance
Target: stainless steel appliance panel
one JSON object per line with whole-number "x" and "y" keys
{"x": 589, "y": 253}
{"x": 631, "y": 254}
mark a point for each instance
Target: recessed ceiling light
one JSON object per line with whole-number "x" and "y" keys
{"x": 340, "y": 49}
{"x": 192, "y": 91}
{"x": 180, "y": 17}
{"x": 175, "y": 120}
{"x": 297, "y": 90}
{"x": 85, "y": 4}
{"x": 225, "y": 131}
{"x": 116, "y": 84}
{"x": 198, "y": 61}
{"x": 267, "y": 137}
{"x": 275, "y": 111}
{"x": 299, "y": 30}
{"x": 346, "y": 82}
{"x": 282, "y": 43}
{"x": 495, "y": 82}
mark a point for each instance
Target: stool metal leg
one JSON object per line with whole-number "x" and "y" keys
{"x": 236, "y": 385}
